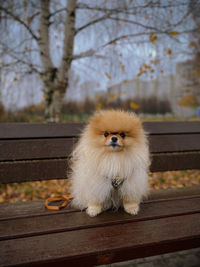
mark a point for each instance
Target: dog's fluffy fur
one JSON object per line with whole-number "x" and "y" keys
{"x": 97, "y": 160}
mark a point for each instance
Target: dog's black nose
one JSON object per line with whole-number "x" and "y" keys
{"x": 114, "y": 139}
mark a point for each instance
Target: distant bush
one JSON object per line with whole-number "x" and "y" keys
{"x": 81, "y": 110}
{"x": 33, "y": 109}
{"x": 75, "y": 107}
{"x": 151, "y": 105}
{"x": 30, "y": 113}
{"x": 70, "y": 107}
{"x": 2, "y": 109}
{"x": 88, "y": 106}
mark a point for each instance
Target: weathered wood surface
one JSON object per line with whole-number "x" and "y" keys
{"x": 37, "y": 170}
{"x": 41, "y": 151}
{"x": 76, "y": 220}
{"x": 36, "y": 208}
{"x": 39, "y": 130}
{"x": 61, "y": 147}
{"x": 43, "y": 130}
{"x": 30, "y": 235}
{"x": 93, "y": 246}
{"x": 166, "y": 222}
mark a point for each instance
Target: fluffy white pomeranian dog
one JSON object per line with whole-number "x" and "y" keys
{"x": 110, "y": 163}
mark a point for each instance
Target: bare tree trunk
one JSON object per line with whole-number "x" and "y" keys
{"x": 68, "y": 49}
{"x": 48, "y": 77}
{"x": 56, "y": 80}
{"x": 194, "y": 7}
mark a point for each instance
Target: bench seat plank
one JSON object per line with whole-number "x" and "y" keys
{"x": 36, "y": 208}
{"x": 106, "y": 244}
{"x": 40, "y": 225}
{"x": 10, "y": 211}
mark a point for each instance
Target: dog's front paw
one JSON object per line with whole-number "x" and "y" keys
{"x": 93, "y": 210}
{"x": 131, "y": 208}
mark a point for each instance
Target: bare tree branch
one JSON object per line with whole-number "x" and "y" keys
{"x": 131, "y": 10}
{"x": 33, "y": 67}
{"x": 92, "y": 23}
{"x": 113, "y": 41}
{"x": 8, "y": 12}
{"x": 8, "y": 49}
{"x": 136, "y": 23}
{"x": 57, "y": 11}
{"x": 112, "y": 11}
{"x": 88, "y": 53}
{"x": 34, "y": 15}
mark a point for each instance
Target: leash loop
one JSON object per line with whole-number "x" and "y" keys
{"x": 65, "y": 198}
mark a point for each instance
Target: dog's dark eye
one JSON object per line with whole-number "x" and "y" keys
{"x": 123, "y": 135}
{"x": 106, "y": 134}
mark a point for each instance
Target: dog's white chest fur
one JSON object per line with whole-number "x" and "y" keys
{"x": 114, "y": 165}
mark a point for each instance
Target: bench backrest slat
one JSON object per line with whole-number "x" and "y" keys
{"x": 41, "y": 151}
{"x": 24, "y": 149}
{"x": 37, "y": 170}
{"x": 52, "y": 130}
{"x": 39, "y": 130}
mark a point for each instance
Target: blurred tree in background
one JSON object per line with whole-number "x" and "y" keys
{"x": 31, "y": 32}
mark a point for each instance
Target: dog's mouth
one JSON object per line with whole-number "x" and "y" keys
{"x": 114, "y": 145}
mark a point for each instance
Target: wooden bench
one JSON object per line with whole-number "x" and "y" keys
{"x": 31, "y": 235}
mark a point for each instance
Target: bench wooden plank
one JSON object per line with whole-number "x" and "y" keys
{"x": 36, "y": 208}
{"x": 174, "y": 143}
{"x": 172, "y": 127}
{"x": 36, "y": 149}
{"x": 29, "y": 234}
{"x": 43, "y": 130}
{"x": 37, "y": 170}
{"x": 175, "y": 161}
{"x": 62, "y": 147}
{"x": 39, "y": 225}
{"x": 27, "y": 209}
{"x": 102, "y": 245}
{"x": 39, "y": 130}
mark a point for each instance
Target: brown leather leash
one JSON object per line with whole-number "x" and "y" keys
{"x": 65, "y": 198}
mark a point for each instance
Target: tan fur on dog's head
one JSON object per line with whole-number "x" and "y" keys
{"x": 122, "y": 127}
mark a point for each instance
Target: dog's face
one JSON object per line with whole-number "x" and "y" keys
{"x": 114, "y": 140}
{"x": 114, "y": 131}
